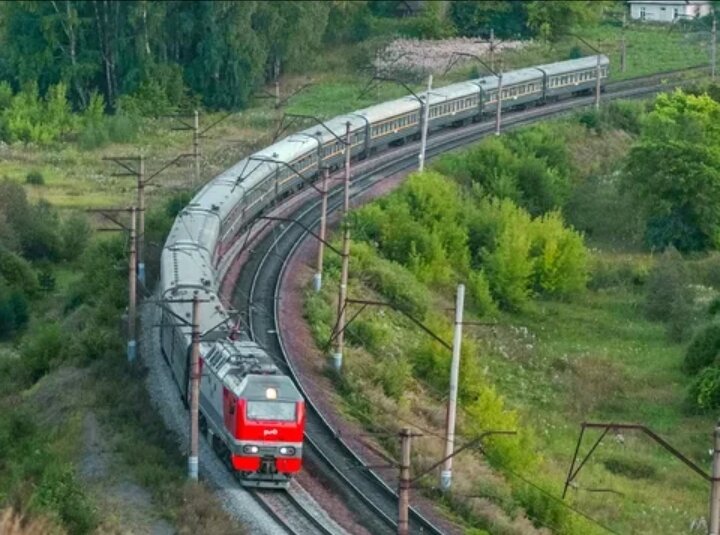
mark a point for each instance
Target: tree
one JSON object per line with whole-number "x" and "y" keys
{"x": 673, "y": 172}
{"x": 553, "y": 20}
{"x": 668, "y": 296}
{"x": 476, "y": 18}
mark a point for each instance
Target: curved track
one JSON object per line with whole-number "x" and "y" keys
{"x": 257, "y": 294}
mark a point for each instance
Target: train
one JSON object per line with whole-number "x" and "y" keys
{"x": 252, "y": 413}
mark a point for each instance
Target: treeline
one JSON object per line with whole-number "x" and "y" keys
{"x": 219, "y": 52}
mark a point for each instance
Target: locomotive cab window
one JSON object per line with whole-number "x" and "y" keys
{"x": 282, "y": 411}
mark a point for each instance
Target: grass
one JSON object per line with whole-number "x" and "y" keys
{"x": 650, "y": 48}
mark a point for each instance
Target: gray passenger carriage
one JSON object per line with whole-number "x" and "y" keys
{"x": 573, "y": 76}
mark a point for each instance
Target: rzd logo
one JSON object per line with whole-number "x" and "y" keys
{"x": 270, "y": 432}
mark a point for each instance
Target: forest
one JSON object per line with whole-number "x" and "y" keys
{"x": 592, "y": 272}
{"x": 148, "y": 56}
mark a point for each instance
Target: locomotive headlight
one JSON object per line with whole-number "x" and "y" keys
{"x": 287, "y": 450}
{"x": 271, "y": 393}
{"x": 250, "y": 449}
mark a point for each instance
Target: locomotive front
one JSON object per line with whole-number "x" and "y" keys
{"x": 269, "y": 422}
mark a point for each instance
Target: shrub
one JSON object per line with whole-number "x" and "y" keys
{"x": 623, "y": 114}
{"x": 371, "y": 334}
{"x": 668, "y": 296}
{"x": 560, "y": 266}
{"x": 479, "y": 292}
{"x": 395, "y": 375}
{"x": 39, "y": 238}
{"x": 14, "y": 313}
{"x": 17, "y": 272}
{"x": 705, "y": 391}
{"x": 703, "y": 349}
{"x": 590, "y": 120}
{"x": 509, "y": 265}
{"x": 35, "y": 178}
{"x": 630, "y": 468}
{"x": 391, "y": 280}
{"x": 75, "y": 234}
{"x": 611, "y": 273}
{"x": 41, "y": 349}
{"x": 59, "y": 491}
{"x": 320, "y": 316}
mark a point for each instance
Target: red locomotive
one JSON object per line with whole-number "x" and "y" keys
{"x": 252, "y": 413}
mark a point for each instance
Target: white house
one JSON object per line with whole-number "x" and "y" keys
{"x": 668, "y": 10}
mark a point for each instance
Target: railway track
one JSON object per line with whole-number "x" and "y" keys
{"x": 257, "y": 294}
{"x": 293, "y": 515}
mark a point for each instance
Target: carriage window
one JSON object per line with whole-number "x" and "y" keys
{"x": 282, "y": 411}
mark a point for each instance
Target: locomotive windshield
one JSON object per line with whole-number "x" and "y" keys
{"x": 271, "y": 410}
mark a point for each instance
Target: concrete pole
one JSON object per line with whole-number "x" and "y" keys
{"x": 498, "y": 111}
{"x": 446, "y": 474}
{"x": 597, "y": 84}
{"x": 132, "y": 281}
{"x": 195, "y": 390}
{"x": 492, "y": 49}
{"x": 714, "y": 524}
{"x": 276, "y": 72}
{"x": 403, "y": 527}
{"x": 323, "y": 218}
{"x": 425, "y": 125}
{"x": 340, "y": 339}
{"x": 141, "y": 220}
{"x": 623, "y": 47}
{"x": 713, "y": 49}
{"x": 196, "y": 147}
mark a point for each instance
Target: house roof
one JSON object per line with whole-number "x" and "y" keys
{"x": 670, "y": 2}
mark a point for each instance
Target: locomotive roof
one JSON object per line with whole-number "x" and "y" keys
{"x": 256, "y": 387}
{"x": 248, "y": 370}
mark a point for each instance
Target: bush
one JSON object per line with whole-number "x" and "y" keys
{"x": 14, "y": 313}
{"x": 480, "y": 295}
{"x": 59, "y": 491}
{"x": 625, "y": 115}
{"x": 590, "y": 120}
{"x": 509, "y": 265}
{"x": 668, "y": 296}
{"x": 705, "y": 391}
{"x": 703, "y": 349}
{"x": 35, "y": 178}
{"x": 612, "y": 273}
{"x": 630, "y": 468}
{"x": 371, "y": 334}
{"x": 42, "y": 349}
{"x": 75, "y": 234}
{"x": 17, "y": 272}
{"x": 560, "y": 266}
{"x": 390, "y": 279}
{"x": 395, "y": 376}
